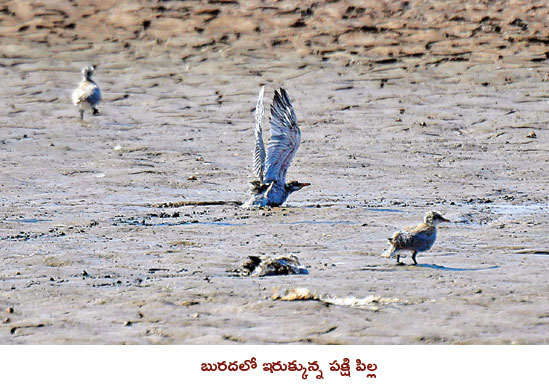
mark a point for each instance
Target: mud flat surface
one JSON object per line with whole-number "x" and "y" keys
{"x": 404, "y": 107}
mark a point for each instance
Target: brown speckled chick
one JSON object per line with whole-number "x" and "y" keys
{"x": 419, "y": 238}
{"x": 88, "y": 95}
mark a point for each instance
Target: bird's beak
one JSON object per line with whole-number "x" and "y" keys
{"x": 303, "y": 184}
{"x": 445, "y": 220}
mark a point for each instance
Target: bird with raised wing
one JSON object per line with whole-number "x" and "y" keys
{"x": 271, "y": 166}
{"x": 88, "y": 95}
{"x": 419, "y": 238}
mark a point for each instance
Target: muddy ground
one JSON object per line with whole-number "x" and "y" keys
{"x": 404, "y": 107}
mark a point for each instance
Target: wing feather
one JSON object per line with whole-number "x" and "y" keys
{"x": 259, "y": 153}
{"x": 285, "y": 138}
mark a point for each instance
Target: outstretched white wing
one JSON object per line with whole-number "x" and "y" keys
{"x": 285, "y": 138}
{"x": 259, "y": 153}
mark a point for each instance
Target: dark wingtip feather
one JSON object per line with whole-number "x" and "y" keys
{"x": 281, "y": 98}
{"x": 286, "y": 97}
{"x": 277, "y": 101}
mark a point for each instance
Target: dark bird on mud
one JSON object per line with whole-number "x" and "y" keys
{"x": 87, "y": 95}
{"x": 270, "y": 168}
{"x": 419, "y": 238}
{"x": 271, "y": 266}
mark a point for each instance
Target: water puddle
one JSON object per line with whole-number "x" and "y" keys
{"x": 323, "y": 222}
{"x": 181, "y": 223}
{"x": 28, "y": 220}
{"x": 222, "y": 223}
{"x": 519, "y": 209}
{"x": 343, "y": 204}
{"x": 443, "y": 268}
{"x": 385, "y": 210}
{"x": 431, "y": 266}
{"x": 120, "y": 124}
{"x": 486, "y": 213}
{"x": 148, "y": 222}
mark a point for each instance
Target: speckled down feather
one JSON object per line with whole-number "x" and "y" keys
{"x": 419, "y": 238}
{"x": 416, "y": 238}
{"x": 88, "y": 95}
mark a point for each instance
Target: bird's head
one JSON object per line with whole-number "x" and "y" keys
{"x": 294, "y": 186}
{"x": 87, "y": 71}
{"x": 434, "y": 218}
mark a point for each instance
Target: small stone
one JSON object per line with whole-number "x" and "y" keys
{"x": 196, "y": 315}
{"x": 6, "y": 320}
{"x": 191, "y": 178}
{"x": 9, "y": 310}
{"x": 532, "y": 134}
{"x": 128, "y": 323}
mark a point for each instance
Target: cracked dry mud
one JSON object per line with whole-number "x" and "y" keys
{"x": 404, "y": 107}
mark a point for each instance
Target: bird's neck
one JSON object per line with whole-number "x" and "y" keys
{"x": 430, "y": 224}
{"x": 287, "y": 191}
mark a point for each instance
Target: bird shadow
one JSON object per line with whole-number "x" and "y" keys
{"x": 443, "y": 268}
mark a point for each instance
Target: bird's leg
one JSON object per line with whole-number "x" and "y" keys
{"x": 414, "y": 257}
{"x": 95, "y": 111}
{"x": 268, "y": 189}
{"x": 81, "y": 115}
{"x": 398, "y": 260}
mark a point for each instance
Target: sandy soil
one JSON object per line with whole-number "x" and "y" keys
{"x": 404, "y": 107}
